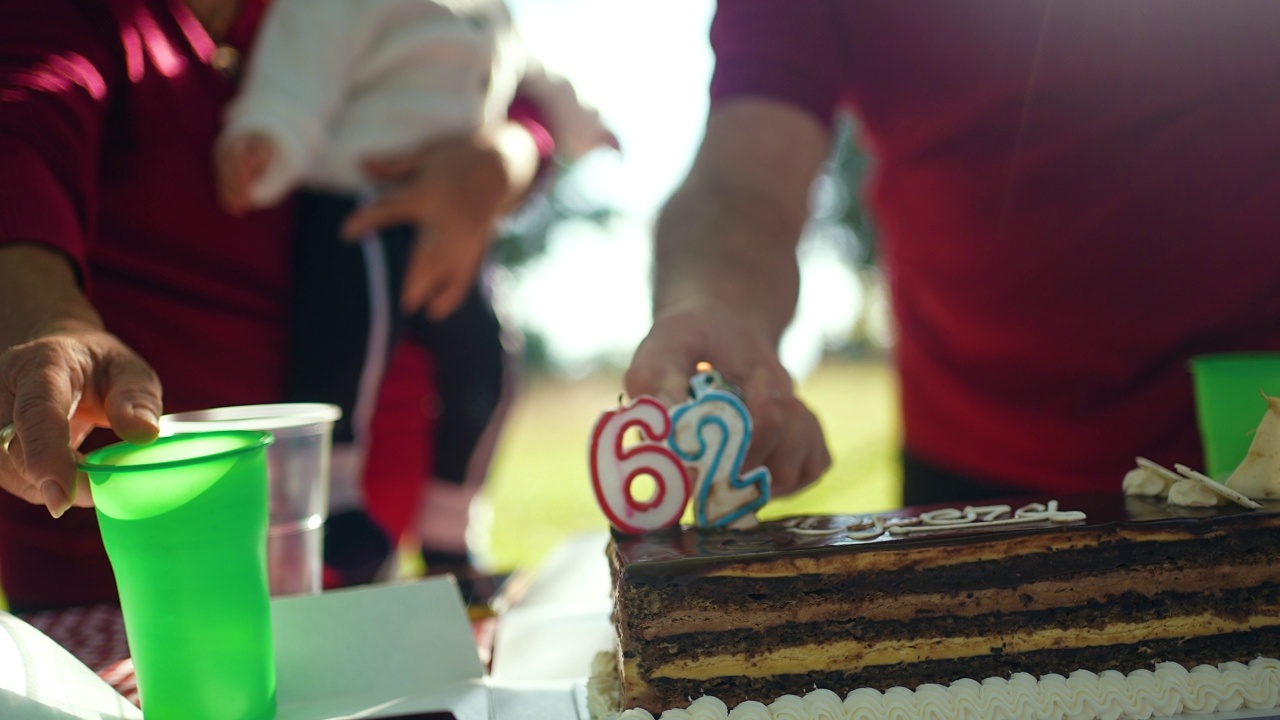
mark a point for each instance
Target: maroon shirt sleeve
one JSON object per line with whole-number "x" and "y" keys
{"x": 55, "y": 78}
{"x": 789, "y": 51}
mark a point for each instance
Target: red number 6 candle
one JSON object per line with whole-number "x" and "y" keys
{"x": 614, "y": 468}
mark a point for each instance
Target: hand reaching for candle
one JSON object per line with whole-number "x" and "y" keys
{"x": 787, "y": 437}
{"x": 726, "y": 279}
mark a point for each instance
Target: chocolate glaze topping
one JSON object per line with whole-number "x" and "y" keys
{"x": 684, "y": 548}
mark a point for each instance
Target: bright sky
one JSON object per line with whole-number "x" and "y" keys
{"x": 646, "y": 65}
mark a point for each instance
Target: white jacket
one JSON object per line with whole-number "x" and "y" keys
{"x": 335, "y": 82}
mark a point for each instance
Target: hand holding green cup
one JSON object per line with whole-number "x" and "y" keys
{"x": 184, "y": 521}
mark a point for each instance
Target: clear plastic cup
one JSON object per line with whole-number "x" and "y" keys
{"x": 1229, "y": 404}
{"x": 298, "y": 481}
{"x": 184, "y": 522}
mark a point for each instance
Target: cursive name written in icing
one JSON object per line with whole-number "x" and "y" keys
{"x": 971, "y": 518}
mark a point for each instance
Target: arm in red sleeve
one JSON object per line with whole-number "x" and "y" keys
{"x": 61, "y": 373}
{"x": 786, "y": 51}
{"x": 56, "y": 71}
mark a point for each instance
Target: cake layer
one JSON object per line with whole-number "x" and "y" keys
{"x": 854, "y": 644}
{"x": 758, "y": 606}
{"x": 764, "y": 610}
{"x": 845, "y": 602}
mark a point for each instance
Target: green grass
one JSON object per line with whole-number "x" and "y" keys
{"x": 541, "y": 493}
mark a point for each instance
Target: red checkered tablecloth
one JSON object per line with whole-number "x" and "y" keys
{"x": 95, "y": 636}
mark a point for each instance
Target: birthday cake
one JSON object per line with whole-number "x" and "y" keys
{"x": 902, "y": 607}
{"x": 1160, "y": 600}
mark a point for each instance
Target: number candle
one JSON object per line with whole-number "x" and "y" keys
{"x": 711, "y": 434}
{"x": 614, "y": 468}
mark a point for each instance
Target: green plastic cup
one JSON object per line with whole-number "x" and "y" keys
{"x": 184, "y": 521}
{"x": 1229, "y": 404}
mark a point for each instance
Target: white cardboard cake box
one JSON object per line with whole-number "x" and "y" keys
{"x": 375, "y": 651}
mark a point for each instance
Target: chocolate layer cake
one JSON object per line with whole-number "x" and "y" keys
{"x": 932, "y": 595}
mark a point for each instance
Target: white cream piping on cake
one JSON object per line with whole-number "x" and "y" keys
{"x": 1257, "y": 477}
{"x": 1148, "y": 479}
{"x": 1168, "y": 690}
{"x": 1189, "y": 488}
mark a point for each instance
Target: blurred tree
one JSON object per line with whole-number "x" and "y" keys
{"x": 840, "y": 218}
{"x": 840, "y": 195}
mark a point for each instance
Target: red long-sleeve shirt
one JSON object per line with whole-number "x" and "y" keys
{"x": 1073, "y": 198}
{"x": 107, "y": 127}
{"x": 108, "y": 112}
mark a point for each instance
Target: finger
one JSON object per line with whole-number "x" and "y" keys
{"x": 83, "y": 495}
{"x": 660, "y": 368}
{"x": 132, "y": 400}
{"x": 258, "y": 151}
{"x": 395, "y": 209}
{"x": 447, "y": 298}
{"x": 13, "y": 479}
{"x": 239, "y": 165}
{"x": 423, "y": 274}
{"x": 420, "y": 290}
{"x": 232, "y": 194}
{"x": 766, "y": 404}
{"x": 817, "y": 458}
{"x": 800, "y": 456}
{"x": 40, "y": 414}
{"x": 459, "y": 255}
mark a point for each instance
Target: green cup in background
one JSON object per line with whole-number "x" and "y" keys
{"x": 1229, "y": 404}
{"x": 184, "y": 521}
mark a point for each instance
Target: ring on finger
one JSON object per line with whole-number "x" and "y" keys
{"x": 7, "y": 433}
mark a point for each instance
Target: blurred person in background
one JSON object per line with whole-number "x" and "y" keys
{"x": 1073, "y": 199}
{"x": 119, "y": 268}
{"x": 333, "y": 88}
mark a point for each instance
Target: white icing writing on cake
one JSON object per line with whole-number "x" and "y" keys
{"x": 968, "y": 518}
{"x": 988, "y": 516}
{"x": 1168, "y": 690}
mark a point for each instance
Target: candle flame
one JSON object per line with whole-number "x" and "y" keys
{"x": 702, "y": 366}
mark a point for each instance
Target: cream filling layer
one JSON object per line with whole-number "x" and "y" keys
{"x": 690, "y": 616}
{"x": 853, "y": 655}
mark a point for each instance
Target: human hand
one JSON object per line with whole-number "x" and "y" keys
{"x": 237, "y": 165}
{"x": 786, "y": 436}
{"x": 453, "y": 191}
{"x": 55, "y": 390}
